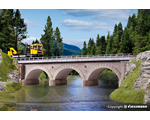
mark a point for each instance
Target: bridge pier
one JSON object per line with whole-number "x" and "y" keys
{"x": 57, "y": 82}
{"x": 89, "y": 83}
{"x": 30, "y": 82}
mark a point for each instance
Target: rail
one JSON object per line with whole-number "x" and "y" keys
{"x": 77, "y": 57}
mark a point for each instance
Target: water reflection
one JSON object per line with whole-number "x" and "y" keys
{"x": 70, "y": 97}
{"x": 72, "y": 88}
{"x": 37, "y": 91}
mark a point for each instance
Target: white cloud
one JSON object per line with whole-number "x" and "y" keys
{"x": 112, "y": 14}
{"x": 85, "y": 25}
{"x": 30, "y": 23}
{"x": 105, "y": 19}
{"x": 29, "y": 40}
{"x": 100, "y": 13}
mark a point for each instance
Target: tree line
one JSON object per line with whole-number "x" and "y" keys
{"x": 13, "y": 30}
{"x": 52, "y": 40}
{"x": 134, "y": 38}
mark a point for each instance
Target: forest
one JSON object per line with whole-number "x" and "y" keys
{"x": 134, "y": 38}
{"x": 13, "y": 30}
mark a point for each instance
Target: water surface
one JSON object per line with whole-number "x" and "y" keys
{"x": 70, "y": 97}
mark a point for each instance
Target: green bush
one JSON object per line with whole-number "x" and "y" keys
{"x": 108, "y": 76}
{"x": 43, "y": 75}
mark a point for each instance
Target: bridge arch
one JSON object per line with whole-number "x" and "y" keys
{"x": 35, "y": 71}
{"x": 62, "y": 72}
{"x": 97, "y": 70}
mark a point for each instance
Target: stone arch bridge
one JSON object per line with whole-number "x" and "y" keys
{"x": 58, "y": 69}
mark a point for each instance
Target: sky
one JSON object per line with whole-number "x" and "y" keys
{"x": 75, "y": 25}
{"x": 77, "y": 20}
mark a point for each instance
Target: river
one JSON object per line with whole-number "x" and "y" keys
{"x": 70, "y": 97}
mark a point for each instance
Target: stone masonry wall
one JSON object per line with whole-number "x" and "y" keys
{"x": 143, "y": 82}
{"x": 13, "y": 75}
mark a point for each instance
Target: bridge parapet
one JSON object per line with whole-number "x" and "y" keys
{"x": 109, "y": 57}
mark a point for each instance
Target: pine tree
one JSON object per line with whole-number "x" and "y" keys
{"x": 20, "y": 29}
{"x": 48, "y": 38}
{"x": 89, "y": 47}
{"x": 115, "y": 45}
{"x": 98, "y": 45}
{"x": 93, "y": 50}
{"x": 107, "y": 42}
{"x": 103, "y": 44}
{"x": 142, "y": 31}
{"x": 12, "y": 29}
{"x": 118, "y": 31}
{"x": 7, "y": 35}
{"x": 125, "y": 45}
{"x": 35, "y": 42}
{"x": 58, "y": 47}
{"x": 4, "y": 30}
{"x": 84, "y": 48}
{"x": 115, "y": 30}
{"x": 132, "y": 22}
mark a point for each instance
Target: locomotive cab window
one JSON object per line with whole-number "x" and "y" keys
{"x": 40, "y": 48}
{"x": 34, "y": 47}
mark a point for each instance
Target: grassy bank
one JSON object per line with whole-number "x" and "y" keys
{"x": 7, "y": 97}
{"x": 126, "y": 93}
{"x": 6, "y": 66}
{"x": 11, "y": 87}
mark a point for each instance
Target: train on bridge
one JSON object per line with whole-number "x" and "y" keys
{"x": 35, "y": 50}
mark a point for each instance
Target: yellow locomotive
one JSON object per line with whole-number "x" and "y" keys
{"x": 35, "y": 50}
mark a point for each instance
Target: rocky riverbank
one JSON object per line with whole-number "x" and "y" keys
{"x": 8, "y": 71}
{"x": 137, "y": 81}
{"x": 143, "y": 82}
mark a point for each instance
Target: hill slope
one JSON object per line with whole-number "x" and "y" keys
{"x": 71, "y": 47}
{"x": 70, "y": 50}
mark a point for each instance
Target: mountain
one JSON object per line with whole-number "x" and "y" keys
{"x": 71, "y": 47}
{"x": 70, "y": 50}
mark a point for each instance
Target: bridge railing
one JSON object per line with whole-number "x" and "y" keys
{"x": 127, "y": 55}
